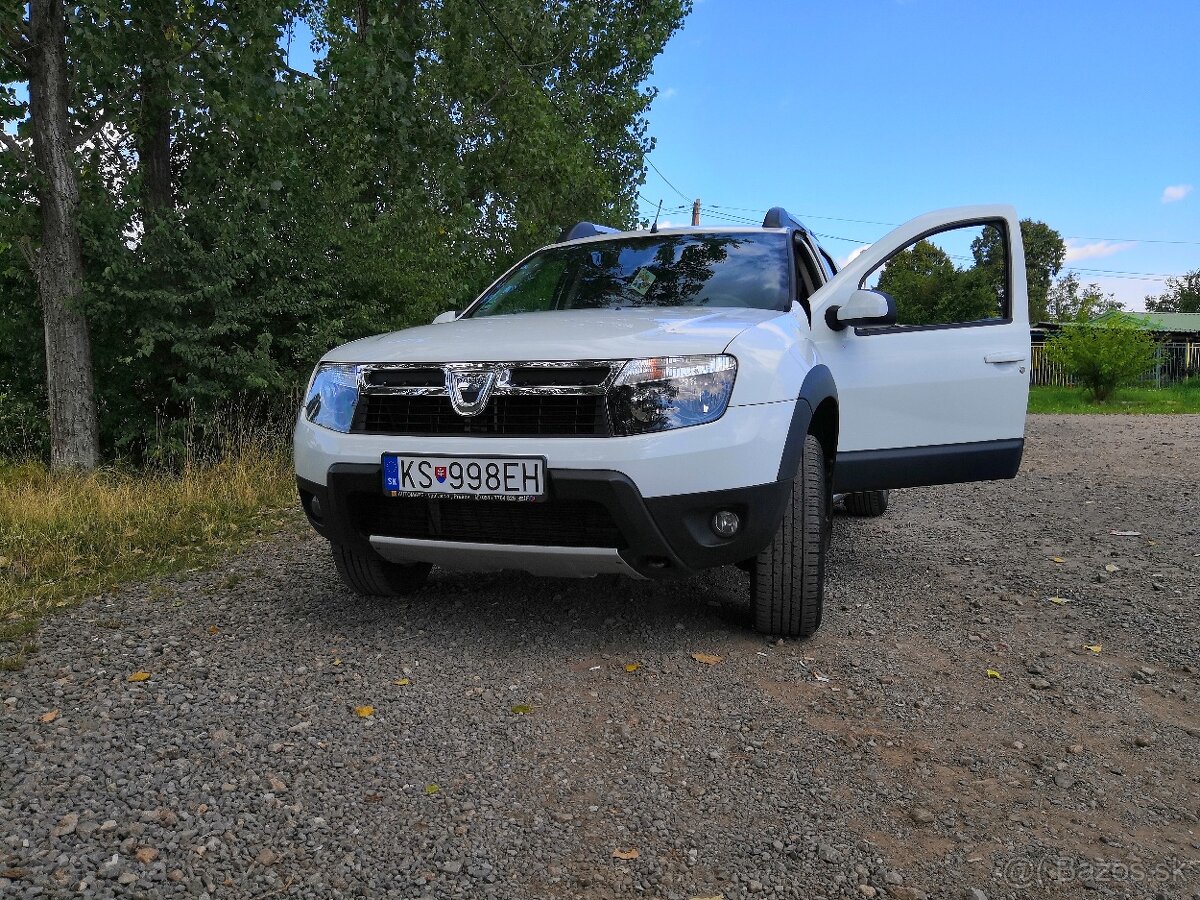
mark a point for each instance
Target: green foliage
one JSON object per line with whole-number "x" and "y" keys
{"x": 434, "y": 143}
{"x": 1183, "y": 397}
{"x": 24, "y": 431}
{"x": 1103, "y": 357}
{"x": 1045, "y": 253}
{"x": 1068, "y": 301}
{"x": 1182, "y": 295}
{"x": 929, "y": 289}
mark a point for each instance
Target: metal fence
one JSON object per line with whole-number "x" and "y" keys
{"x": 1173, "y": 363}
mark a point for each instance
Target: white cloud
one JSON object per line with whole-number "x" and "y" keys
{"x": 1175, "y": 192}
{"x": 854, "y": 254}
{"x": 1077, "y": 251}
{"x": 667, "y": 93}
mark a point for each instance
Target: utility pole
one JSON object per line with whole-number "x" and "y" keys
{"x": 696, "y": 212}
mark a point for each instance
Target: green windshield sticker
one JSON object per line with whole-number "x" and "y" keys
{"x": 642, "y": 280}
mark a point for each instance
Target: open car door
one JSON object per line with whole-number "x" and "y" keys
{"x": 926, "y": 333}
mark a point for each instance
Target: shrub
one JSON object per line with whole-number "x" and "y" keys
{"x": 24, "y": 431}
{"x": 1103, "y": 357}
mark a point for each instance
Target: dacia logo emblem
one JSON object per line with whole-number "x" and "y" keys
{"x": 469, "y": 390}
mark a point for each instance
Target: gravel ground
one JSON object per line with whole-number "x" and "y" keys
{"x": 514, "y": 750}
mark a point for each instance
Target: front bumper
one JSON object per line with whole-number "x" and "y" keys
{"x": 743, "y": 447}
{"x": 593, "y": 521}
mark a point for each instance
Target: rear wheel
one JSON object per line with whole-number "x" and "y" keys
{"x": 866, "y": 503}
{"x": 366, "y": 573}
{"x": 787, "y": 581}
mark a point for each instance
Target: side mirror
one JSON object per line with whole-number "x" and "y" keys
{"x": 448, "y": 316}
{"x": 863, "y": 308}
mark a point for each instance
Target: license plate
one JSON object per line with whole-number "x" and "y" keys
{"x": 479, "y": 477}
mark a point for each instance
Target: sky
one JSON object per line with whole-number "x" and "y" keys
{"x": 860, "y": 114}
{"x": 1084, "y": 115}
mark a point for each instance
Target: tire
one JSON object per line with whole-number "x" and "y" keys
{"x": 866, "y": 503}
{"x": 787, "y": 582}
{"x": 368, "y": 574}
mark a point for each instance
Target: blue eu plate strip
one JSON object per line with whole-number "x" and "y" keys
{"x": 391, "y": 475}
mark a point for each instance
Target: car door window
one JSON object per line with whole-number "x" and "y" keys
{"x": 953, "y": 277}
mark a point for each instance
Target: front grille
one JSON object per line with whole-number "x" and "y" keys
{"x": 558, "y": 376}
{"x": 513, "y": 415}
{"x": 555, "y": 523}
{"x": 406, "y": 377}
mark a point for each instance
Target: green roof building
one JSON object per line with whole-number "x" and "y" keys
{"x": 1185, "y": 325}
{"x": 1177, "y": 334}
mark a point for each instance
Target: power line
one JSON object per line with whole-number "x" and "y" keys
{"x": 1133, "y": 240}
{"x": 650, "y": 163}
{"x": 1117, "y": 272}
{"x": 1110, "y": 273}
{"x": 1083, "y": 270}
{"x": 1069, "y": 237}
{"x": 806, "y": 215}
{"x": 655, "y": 203}
{"x": 835, "y": 237}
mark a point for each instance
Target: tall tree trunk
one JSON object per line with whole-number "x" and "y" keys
{"x": 154, "y": 143}
{"x": 70, "y": 382}
{"x": 154, "y": 18}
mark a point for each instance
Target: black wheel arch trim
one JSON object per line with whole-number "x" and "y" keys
{"x": 817, "y": 387}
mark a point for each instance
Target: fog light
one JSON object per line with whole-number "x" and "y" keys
{"x": 726, "y": 523}
{"x": 314, "y": 507}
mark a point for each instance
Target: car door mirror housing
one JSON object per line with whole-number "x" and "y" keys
{"x": 863, "y": 307}
{"x": 448, "y": 316}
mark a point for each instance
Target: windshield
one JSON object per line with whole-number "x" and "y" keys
{"x": 742, "y": 270}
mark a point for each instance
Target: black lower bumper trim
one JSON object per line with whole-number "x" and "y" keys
{"x": 662, "y": 537}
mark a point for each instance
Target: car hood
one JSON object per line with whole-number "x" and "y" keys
{"x": 560, "y": 335}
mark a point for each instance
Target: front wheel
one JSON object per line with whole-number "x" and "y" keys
{"x": 787, "y": 581}
{"x": 369, "y": 574}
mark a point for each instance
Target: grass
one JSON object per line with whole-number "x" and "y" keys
{"x": 65, "y": 536}
{"x": 1177, "y": 398}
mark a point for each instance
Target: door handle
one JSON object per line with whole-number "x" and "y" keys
{"x": 1005, "y": 356}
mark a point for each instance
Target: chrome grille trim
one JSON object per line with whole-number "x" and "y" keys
{"x": 503, "y": 370}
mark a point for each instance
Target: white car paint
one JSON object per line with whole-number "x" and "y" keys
{"x": 739, "y": 449}
{"x": 912, "y": 388}
{"x": 560, "y": 335}
{"x": 928, "y": 386}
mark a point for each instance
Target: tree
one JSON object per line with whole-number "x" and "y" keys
{"x": 1103, "y": 357}
{"x": 1045, "y": 253}
{"x": 929, "y": 289}
{"x": 922, "y": 280}
{"x": 237, "y": 217}
{"x": 58, "y": 263}
{"x": 1068, "y": 301}
{"x": 1182, "y": 295}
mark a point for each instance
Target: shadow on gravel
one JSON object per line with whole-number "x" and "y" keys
{"x": 506, "y": 609}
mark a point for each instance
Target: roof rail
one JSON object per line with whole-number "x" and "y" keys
{"x": 778, "y": 217}
{"x": 584, "y": 229}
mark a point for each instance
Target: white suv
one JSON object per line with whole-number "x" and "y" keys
{"x": 653, "y": 403}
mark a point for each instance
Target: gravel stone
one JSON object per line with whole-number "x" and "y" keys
{"x": 751, "y": 778}
{"x": 921, "y": 815}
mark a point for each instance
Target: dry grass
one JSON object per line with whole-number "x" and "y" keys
{"x": 66, "y": 536}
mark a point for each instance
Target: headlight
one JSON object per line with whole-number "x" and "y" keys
{"x": 332, "y": 396}
{"x": 671, "y": 392}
